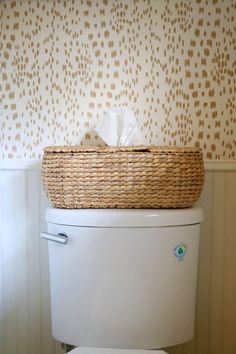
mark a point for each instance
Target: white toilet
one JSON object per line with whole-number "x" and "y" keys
{"x": 123, "y": 281}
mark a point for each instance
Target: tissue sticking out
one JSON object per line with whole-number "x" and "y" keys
{"x": 119, "y": 128}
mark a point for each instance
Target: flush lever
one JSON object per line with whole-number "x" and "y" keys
{"x": 60, "y": 238}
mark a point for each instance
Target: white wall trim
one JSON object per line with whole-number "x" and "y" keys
{"x": 210, "y": 165}
{"x": 220, "y": 165}
{"x": 8, "y": 164}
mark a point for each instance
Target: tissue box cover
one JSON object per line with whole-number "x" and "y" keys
{"x": 123, "y": 177}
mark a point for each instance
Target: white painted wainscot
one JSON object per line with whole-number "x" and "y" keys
{"x": 24, "y": 278}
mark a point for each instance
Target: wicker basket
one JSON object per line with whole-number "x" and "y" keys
{"x": 127, "y": 177}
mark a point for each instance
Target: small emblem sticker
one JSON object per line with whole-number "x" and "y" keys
{"x": 180, "y": 251}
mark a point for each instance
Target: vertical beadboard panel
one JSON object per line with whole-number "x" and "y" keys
{"x": 229, "y": 279}
{"x": 14, "y": 285}
{"x": 217, "y": 267}
{"x": 19, "y": 228}
{"x": 34, "y": 265}
{"x": 25, "y": 326}
{"x": 1, "y": 267}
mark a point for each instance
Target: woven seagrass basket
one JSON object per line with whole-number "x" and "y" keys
{"x": 127, "y": 177}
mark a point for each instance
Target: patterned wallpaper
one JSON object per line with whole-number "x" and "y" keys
{"x": 65, "y": 63}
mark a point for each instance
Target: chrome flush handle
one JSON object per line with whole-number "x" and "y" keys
{"x": 60, "y": 238}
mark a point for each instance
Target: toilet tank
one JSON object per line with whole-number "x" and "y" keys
{"x": 126, "y": 278}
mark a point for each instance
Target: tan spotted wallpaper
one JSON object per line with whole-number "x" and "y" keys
{"x": 65, "y": 63}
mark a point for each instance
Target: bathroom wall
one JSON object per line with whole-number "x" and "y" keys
{"x": 64, "y": 63}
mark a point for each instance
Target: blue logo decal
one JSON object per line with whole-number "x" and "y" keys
{"x": 180, "y": 251}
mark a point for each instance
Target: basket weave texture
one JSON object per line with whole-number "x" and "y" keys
{"x": 128, "y": 177}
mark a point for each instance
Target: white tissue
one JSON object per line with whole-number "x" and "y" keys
{"x": 119, "y": 128}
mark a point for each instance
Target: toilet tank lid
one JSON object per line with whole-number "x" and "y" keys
{"x": 124, "y": 217}
{"x": 81, "y": 350}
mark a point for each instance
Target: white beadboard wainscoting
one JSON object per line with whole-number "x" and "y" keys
{"x": 24, "y": 278}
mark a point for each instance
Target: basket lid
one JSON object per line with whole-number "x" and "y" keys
{"x": 111, "y": 149}
{"x": 124, "y": 217}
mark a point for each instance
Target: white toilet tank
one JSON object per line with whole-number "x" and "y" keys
{"x": 126, "y": 278}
